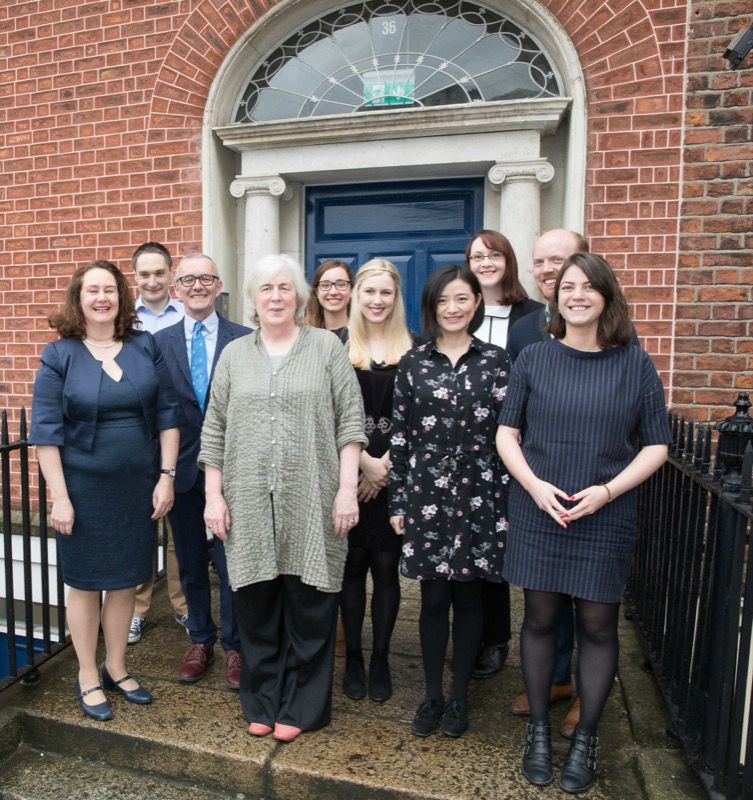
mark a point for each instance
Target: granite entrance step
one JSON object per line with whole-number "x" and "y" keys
{"x": 195, "y": 735}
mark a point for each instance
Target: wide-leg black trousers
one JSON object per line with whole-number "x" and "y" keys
{"x": 287, "y": 632}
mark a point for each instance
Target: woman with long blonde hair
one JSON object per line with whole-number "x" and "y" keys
{"x": 377, "y": 339}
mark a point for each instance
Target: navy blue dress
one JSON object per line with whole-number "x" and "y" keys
{"x": 112, "y": 542}
{"x": 107, "y": 434}
{"x": 583, "y": 416}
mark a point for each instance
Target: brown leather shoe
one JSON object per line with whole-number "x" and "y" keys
{"x": 520, "y": 707}
{"x": 195, "y": 663}
{"x": 233, "y": 669}
{"x": 572, "y": 718}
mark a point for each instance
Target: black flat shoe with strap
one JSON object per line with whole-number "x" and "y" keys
{"x": 100, "y": 712}
{"x": 139, "y": 695}
{"x": 537, "y": 757}
{"x": 579, "y": 770}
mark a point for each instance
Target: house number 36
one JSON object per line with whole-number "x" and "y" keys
{"x": 389, "y": 26}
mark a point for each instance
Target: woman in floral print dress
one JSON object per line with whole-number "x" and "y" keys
{"x": 446, "y": 484}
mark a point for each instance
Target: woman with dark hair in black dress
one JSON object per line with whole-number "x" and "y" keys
{"x": 446, "y": 484}
{"x": 583, "y": 424}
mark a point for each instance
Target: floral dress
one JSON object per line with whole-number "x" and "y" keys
{"x": 446, "y": 477}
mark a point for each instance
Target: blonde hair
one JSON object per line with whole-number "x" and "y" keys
{"x": 396, "y": 334}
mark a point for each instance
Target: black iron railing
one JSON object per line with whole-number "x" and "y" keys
{"x": 26, "y": 555}
{"x": 32, "y": 595}
{"x": 691, "y": 592}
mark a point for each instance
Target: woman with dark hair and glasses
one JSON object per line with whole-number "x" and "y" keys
{"x": 446, "y": 484}
{"x": 329, "y": 301}
{"x": 103, "y": 408}
{"x": 583, "y": 424}
{"x": 490, "y": 257}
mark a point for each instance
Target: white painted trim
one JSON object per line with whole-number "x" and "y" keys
{"x": 223, "y": 218}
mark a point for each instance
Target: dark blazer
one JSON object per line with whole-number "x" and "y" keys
{"x": 172, "y": 342}
{"x": 531, "y": 329}
{"x": 522, "y": 309}
{"x": 66, "y": 391}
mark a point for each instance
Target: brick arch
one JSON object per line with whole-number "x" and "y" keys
{"x": 632, "y": 65}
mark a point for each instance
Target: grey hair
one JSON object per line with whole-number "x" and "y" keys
{"x": 196, "y": 257}
{"x": 270, "y": 267}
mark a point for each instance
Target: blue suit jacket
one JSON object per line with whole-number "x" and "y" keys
{"x": 66, "y": 391}
{"x": 172, "y": 342}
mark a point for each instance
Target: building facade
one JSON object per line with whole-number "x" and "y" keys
{"x": 385, "y": 128}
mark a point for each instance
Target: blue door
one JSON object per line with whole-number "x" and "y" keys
{"x": 419, "y": 226}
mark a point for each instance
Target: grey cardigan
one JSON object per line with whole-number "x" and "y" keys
{"x": 275, "y": 433}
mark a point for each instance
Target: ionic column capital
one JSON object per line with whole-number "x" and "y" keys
{"x": 538, "y": 171}
{"x": 243, "y": 187}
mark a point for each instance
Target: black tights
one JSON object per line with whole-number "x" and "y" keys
{"x": 597, "y": 656}
{"x": 434, "y": 626}
{"x": 385, "y": 598}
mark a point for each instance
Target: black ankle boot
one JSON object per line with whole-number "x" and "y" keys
{"x": 537, "y": 758}
{"x": 380, "y": 680}
{"x": 354, "y": 680}
{"x": 579, "y": 770}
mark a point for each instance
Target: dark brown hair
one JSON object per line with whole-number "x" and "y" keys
{"x": 511, "y": 290}
{"x": 614, "y": 327}
{"x": 69, "y": 320}
{"x": 433, "y": 288}
{"x": 151, "y": 247}
{"x": 314, "y": 310}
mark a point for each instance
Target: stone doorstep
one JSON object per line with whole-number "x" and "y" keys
{"x": 196, "y": 734}
{"x": 34, "y": 775}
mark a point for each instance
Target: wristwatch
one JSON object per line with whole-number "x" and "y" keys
{"x": 170, "y": 472}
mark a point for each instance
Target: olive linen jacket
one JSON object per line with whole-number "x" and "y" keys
{"x": 275, "y": 433}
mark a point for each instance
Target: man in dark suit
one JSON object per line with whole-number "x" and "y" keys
{"x": 191, "y": 349}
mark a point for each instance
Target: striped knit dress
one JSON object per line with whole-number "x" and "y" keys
{"x": 583, "y": 416}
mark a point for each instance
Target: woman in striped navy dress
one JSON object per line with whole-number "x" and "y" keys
{"x": 583, "y": 424}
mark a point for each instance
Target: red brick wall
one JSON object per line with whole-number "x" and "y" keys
{"x": 714, "y": 336}
{"x": 101, "y": 108}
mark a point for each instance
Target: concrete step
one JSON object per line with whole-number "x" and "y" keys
{"x": 195, "y": 735}
{"x": 34, "y": 775}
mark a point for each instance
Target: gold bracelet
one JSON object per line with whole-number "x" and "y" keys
{"x": 609, "y": 494}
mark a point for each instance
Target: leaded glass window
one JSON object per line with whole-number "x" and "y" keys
{"x": 401, "y": 54}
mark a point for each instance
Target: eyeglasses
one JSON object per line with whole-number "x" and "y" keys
{"x": 325, "y": 286}
{"x": 477, "y": 258}
{"x": 189, "y": 280}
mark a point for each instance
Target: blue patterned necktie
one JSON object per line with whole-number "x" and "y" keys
{"x": 199, "y": 364}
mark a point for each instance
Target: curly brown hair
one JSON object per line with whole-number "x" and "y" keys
{"x": 614, "y": 327}
{"x": 69, "y": 320}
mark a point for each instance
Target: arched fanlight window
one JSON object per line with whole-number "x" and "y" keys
{"x": 400, "y": 54}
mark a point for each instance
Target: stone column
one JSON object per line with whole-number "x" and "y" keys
{"x": 519, "y": 183}
{"x": 262, "y": 221}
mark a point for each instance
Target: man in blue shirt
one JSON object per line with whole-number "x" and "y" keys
{"x": 191, "y": 349}
{"x": 153, "y": 267}
{"x": 156, "y": 309}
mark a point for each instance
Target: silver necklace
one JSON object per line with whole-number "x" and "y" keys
{"x": 100, "y": 346}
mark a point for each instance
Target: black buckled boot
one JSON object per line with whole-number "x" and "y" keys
{"x": 579, "y": 770}
{"x": 537, "y": 757}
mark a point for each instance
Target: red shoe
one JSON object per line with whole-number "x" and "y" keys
{"x": 233, "y": 670}
{"x": 195, "y": 663}
{"x": 259, "y": 729}
{"x": 286, "y": 733}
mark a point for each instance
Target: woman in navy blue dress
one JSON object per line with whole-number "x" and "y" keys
{"x": 446, "y": 484}
{"x": 103, "y": 407}
{"x": 583, "y": 424}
